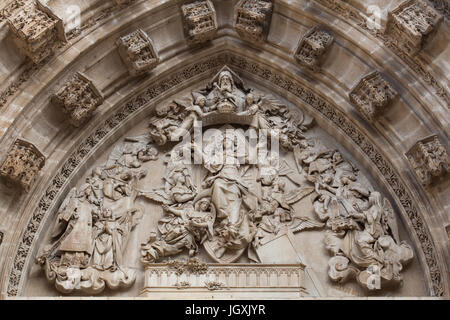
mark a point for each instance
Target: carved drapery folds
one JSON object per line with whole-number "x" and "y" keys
{"x": 78, "y": 98}
{"x": 312, "y": 48}
{"x": 199, "y": 21}
{"x": 252, "y": 19}
{"x": 22, "y": 164}
{"x": 412, "y": 24}
{"x": 372, "y": 96}
{"x": 429, "y": 159}
{"x": 137, "y": 52}
{"x": 36, "y": 30}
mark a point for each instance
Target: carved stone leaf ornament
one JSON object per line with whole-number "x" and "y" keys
{"x": 137, "y": 52}
{"x": 252, "y": 19}
{"x": 372, "y": 96}
{"x": 199, "y": 21}
{"x": 429, "y": 159}
{"x": 22, "y": 164}
{"x": 36, "y": 30}
{"x": 78, "y": 98}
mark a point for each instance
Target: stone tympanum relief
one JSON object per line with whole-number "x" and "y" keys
{"x": 236, "y": 164}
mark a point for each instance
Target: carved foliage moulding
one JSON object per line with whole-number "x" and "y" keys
{"x": 137, "y": 52}
{"x": 429, "y": 159}
{"x": 252, "y": 19}
{"x": 372, "y": 95}
{"x": 22, "y": 164}
{"x": 265, "y": 73}
{"x": 36, "y": 30}
{"x": 78, "y": 98}
{"x": 199, "y": 21}
{"x": 313, "y": 47}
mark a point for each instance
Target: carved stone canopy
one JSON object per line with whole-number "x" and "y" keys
{"x": 313, "y": 47}
{"x": 22, "y": 164}
{"x": 137, "y": 52}
{"x": 372, "y": 96}
{"x": 412, "y": 24}
{"x": 252, "y": 19}
{"x": 78, "y": 98}
{"x": 429, "y": 159}
{"x": 199, "y": 21}
{"x": 36, "y": 30}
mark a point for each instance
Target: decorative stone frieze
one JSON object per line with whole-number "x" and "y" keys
{"x": 372, "y": 95}
{"x": 312, "y": 48}
{"x": 36, "y": 30}
{"x": 137, "y": 52}
{"x": 78, "y": 98}
{"x": 199, "y": 21}
{"x": 412, "y": 24}
{"x": 252, "y": 19}
{"x": 22, "y": 164}
{"x": 122, "y": 2}
{"x": 429, "y": 159}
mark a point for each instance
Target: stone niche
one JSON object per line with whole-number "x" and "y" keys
{"x": 140, "y": 221}
{"x": 412, "y": 24}
{"x": 137, "y": 52}
{"x": 252, "y": 19}
{"x": 312, "y": 48}
{"x": 372, "y": 96}
{"x": 78, "y": 98}
{"x": 199, "y": 21}
{"x": 22, "y": 164}
{"x": 36, "y": 30}
{"x": 429, "y": 159}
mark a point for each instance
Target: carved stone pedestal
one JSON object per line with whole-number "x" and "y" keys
{"x": 412, "y": 24}
{"x": 78, "y": 98}
{"x": 252, "y": 19}
{"x": 429, "y": 159}
{"x": 199, "y": 21}
{"x": 312, "y": 48}
{"x": 22, "y": 164}
{"x": 137, "y": 52}
{"x": 225, "y": 281}
{"x": 36, "y": 30}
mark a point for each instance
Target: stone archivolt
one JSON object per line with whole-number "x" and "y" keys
{"x": 252, "y": 19}
{"x": 137, "y": 52}
{"x": 36, "y": 30}
{"x": 372, "y": 95}
{"x": 240, "y": 206}
{"x": 312, "y": 48}
{"x": 22, "y": 164}
{"x": 412, "y": 24}
{"x": 78, "y": 98}
{"x": 429, "y": 159}
{"x": 199, "y": 21}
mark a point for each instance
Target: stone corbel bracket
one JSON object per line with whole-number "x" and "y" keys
{"x": 412, "y": 24}
{"x": 78, "y": 98}
{"x": 313, "y": 47}
{"x": 137, "y": 52}
{"x": 36, "y": 30}
{"x": 429, "y": 160}
{"x": 252, "y": 19}
{"x": 22, "y": 164}
{"x": 199, "y": 21}
{"x": 372, "y": 96}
